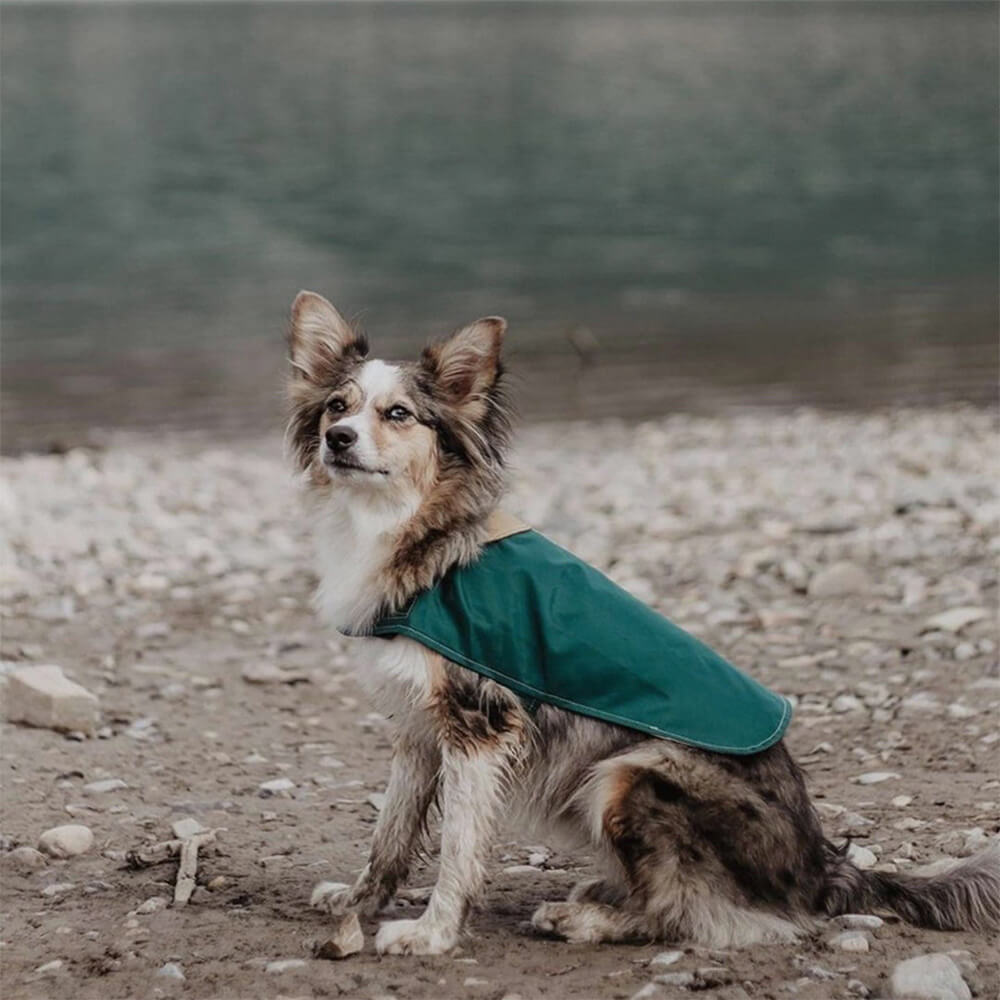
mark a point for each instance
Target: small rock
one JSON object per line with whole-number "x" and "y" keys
{"x": 652, "y": 991}
{"x": 186, "y": 827}
{"x": 859, "y": 921}
{"x": 840, "y": 580}
{"x": 152, "y": 905}
{"x": 49, "y": 967}
{"x": 269, "y": 673}
{"x": 861, "y": 857}
{"x": 57, "y": 888}
{"x": 846, "y": 703}
{"x": 217, "y": 883}
{"x": 44, "y": 696}
{"x": 25, "y": 858}
{"x": 954, "y": 619}
{"x": 856, "y": 941}
{"x": 666, "y": 958}
{"x": 965, "y": 651}
{"x": 929, "y": 977}
{"x": 858, "y": 989}
{"x": 537, "y": 859}
{"x": 285, "y": 965}
{"x": 876, "y": 777}
{"x": 106, "y": 785}
{"x": 474, "y": 981}
{"x": 170, "y": 970}
{"x": 66, "y": 841}
{"x": 152, "y": 630}
{"x": 277, "y": 788}
{"x": 346, "y": 939}
{"x": 377, "y": 800}
{"x": 901, "y": 801}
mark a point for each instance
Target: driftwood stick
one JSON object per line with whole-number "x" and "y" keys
{"x": 188, "y": 867}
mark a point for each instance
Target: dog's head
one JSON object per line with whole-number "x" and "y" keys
{"x": 395, "y": 431}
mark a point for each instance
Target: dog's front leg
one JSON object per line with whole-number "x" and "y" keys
{"x": 472, "y": 787}
{"x": 413, "y": 778}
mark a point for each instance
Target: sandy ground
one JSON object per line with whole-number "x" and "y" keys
{"x": 158, "y": 572}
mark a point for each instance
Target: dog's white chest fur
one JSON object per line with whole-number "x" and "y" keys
{"x": 353, "y": 543}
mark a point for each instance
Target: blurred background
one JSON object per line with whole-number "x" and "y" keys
{"x": 695, "y": 206}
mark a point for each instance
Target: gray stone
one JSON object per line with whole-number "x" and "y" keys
{"x": 929, "y": 977}
{"x": 186, "y": 827}
{"x": 842, "y": 579}
{"x": 856, "y": 941}
{"x": 876, "y": 777}
{"x": 345, "y": 940}
{"x": 152, "y": 905}
{"x": 859, "y": 921}
{"x": 103, "y": 786}
{"x": 170, "y": 970}
{"x": 954, "y": 619}
{"x": 285, "y": 965}
{"x": 861, "y": 856}
{"x": 276, "y": 788}
{"x": 66, "y": 841}
{"x": 666, "y": 958}
{"x": 25, "y": 858}
{"x": 44, "y": 696}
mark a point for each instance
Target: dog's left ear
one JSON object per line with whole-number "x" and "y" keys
{"x": 466, "y": 365}
{"x": 320, "y": 340}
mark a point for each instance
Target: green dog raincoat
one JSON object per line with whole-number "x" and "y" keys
{"x": 536, "y": 619}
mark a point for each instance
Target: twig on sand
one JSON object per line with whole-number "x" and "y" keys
{"x": 165, "y": 850}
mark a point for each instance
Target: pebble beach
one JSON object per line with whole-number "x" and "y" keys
{"x": 848, "y": 561}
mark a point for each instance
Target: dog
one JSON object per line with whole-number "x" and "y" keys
{"x": 402, "y": 468}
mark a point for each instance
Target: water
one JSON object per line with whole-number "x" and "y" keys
{"x": 696, "y": 205}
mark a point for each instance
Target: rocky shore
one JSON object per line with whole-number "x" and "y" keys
{"x": 848, "y": 561}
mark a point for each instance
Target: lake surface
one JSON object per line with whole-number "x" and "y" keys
{"x": 691, "y": 206}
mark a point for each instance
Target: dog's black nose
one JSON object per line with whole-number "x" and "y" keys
{"x": 340, "y": 438}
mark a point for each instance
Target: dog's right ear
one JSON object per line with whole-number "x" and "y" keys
{"x": 320, "y": 340}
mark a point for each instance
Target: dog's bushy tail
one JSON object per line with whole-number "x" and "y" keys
{"x": 964, "y": 897}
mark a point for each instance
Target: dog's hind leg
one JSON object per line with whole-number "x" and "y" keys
{"x": 589, "y": 923}
{"x": 413, "y": 779}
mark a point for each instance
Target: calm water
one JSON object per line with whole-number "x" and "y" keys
{"x": 715, "y": 204}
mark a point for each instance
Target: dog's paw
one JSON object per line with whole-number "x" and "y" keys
{"x": 570, "y": 921}
{"x": 337, "y": 898}
{"x": 413, "y": 937}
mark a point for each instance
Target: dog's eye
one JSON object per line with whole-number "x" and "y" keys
{"x": 336, "y": 405}
{"x": 397, "y": 413}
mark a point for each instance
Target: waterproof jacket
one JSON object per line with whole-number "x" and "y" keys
{"x": 536, "y": 619}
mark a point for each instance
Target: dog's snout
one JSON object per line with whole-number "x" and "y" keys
{"x": 340, "y": 438}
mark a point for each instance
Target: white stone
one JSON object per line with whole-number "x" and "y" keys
{"x": 66, "y": 841}
{"x": 285, "y": 965}
{"x": 376, "y": 800}
{"x": 346, "y": 938}
{"x": 954, "y": 619}
{"x": 276, "y": 788}
{"x": 861, "y": 857}
{"x": 666, "y": 958}
{"x": 538, "y": 858}
{"x": 876, "y": 777}
{"x": 152, "y": 905}
{"x": 44, "y": 696}
{"x": 846, "y": 703}
{"x": 856, "y": 941}
{"x": 929, "y": 977}
{"x": 842, "y": 579}
{"x": 859, "y": 921}
{"x": 170, "y": 970}
{"x": 49, "y": 967}
{"x": 25, "y": 858}
{"x": 57, "y": 888}
{"x": 103, "y": 786}
{"x": 959, "y": 711}
{"x": 648, "y": 992}
{"x": 186, "y": 827}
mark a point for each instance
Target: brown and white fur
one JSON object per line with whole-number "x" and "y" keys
{"x": 402, "y": 465}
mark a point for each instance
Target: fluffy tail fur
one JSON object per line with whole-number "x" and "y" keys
{"x": 964, "y": 897}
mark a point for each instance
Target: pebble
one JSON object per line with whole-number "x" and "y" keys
{"x": 346, "y": 939}
{"x": 25, "y": 858}
{"x": 652, "y": 991}
{"x": 170, "y": 970}
{"x": 152, "y": 905}
{"x": 846, "y": 703}
{"x": 859, "y": 921}
{"x": 929, "y": 977}
{"x": 666, "y": 958}
{"x": 855, "y": 941}
{"x": 376, "y": 800}
{"x": 57, "y": 888}
{"x": 186, "y": 827}
{"x": 66, "y": 841}
{"x": 285, "y": 965}
{"x": 861, "y": 857}
{"x": 277, "y": 788}
{"x": 103, "y": 786}
{"x": 954, "y": 619}
{"x": 44, "y": 696}
{"x": 268, "y": 673}
{"x": 876, "y": 777}
{"x": 842, "y": 579}
{"x": 49, "y": 967}
{"x": 901, "y": 801}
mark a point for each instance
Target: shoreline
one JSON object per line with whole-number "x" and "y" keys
{"x": 171, "y": 578}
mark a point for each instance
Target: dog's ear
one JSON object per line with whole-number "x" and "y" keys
{"x": 320, "y": 340}
{"x": 466, "y": 365}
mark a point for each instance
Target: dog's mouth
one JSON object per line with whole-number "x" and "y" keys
{"x": 349, "y": 465}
